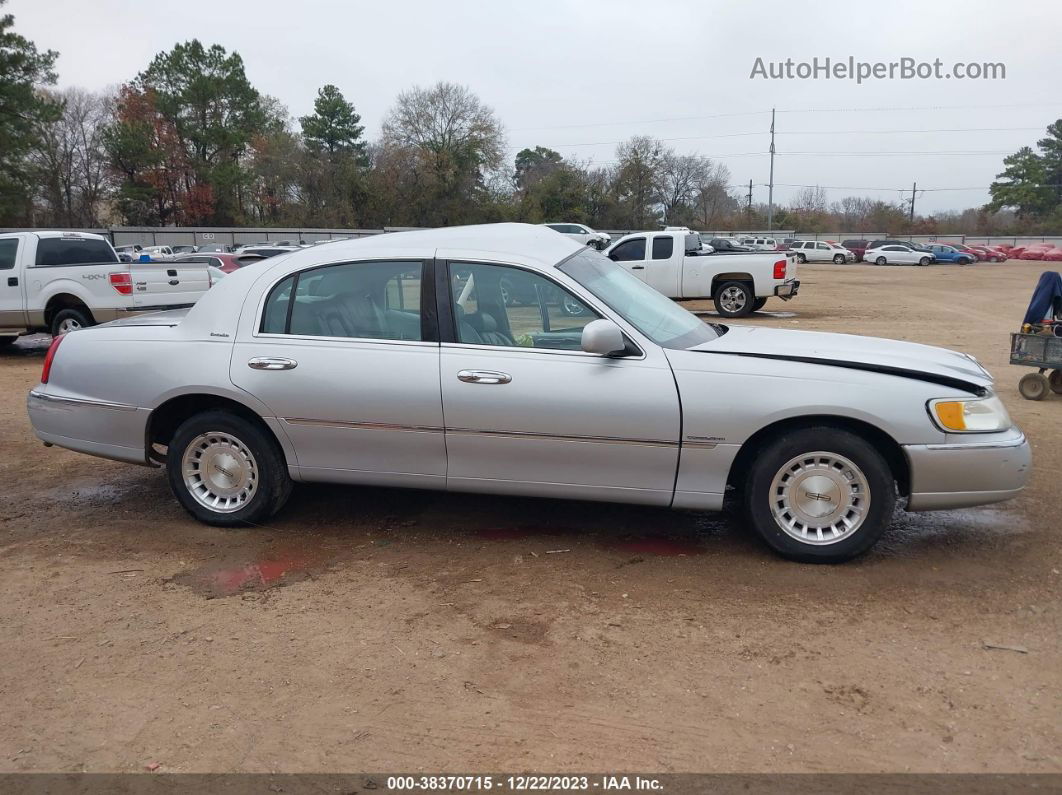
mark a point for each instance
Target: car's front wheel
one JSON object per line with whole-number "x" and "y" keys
{"x": 802, "y": 259}
{"x": 924, "y": 261}
{"x": 820, "y": 495}
{"x": 226, "y": 470}
{"x": 838, "y": 259}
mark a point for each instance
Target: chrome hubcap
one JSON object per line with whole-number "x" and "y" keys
{"x": 732, "y": 299}
{"x": 68, "y": 325}
{"x": 220, "y": 472}
{"x": 819, "y": 498}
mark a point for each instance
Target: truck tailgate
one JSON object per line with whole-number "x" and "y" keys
{"x": 168, "y": 284}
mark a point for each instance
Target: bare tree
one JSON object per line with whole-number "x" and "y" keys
{"x": 680, "y": 178}
{"x": 71, "y": 161}
{"x": 713, "y": 200}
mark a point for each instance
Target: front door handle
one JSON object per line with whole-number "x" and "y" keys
{"x": 483, "y": 377}
{"x": 272, "y": 363}
{"x": 637, "y": 267}
{"x": 12, "y": 281}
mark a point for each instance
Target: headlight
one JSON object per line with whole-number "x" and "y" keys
{"x": 974, "y": 415}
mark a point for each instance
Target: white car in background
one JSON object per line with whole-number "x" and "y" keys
{"x": 157, "y": 252}
{"x": 821, "y": 251}
{"x": 760, "y": 243}
{"x": 897, "y": 255}
{"x": 581, "y": 233}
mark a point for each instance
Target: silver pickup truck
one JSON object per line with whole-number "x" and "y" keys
{"x": 675, "y": 264}
{"x": 61, "y": 281}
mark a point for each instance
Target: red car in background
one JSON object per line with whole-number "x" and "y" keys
{"x": 226, "y": 263}
{"x": 972, "y": 252}
{"x": 1052, "y": 255}
{"x": 1036, "y": 251}
{"x": 989, "y": 254}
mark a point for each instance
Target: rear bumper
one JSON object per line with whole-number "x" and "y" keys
{"x": 976, "y": 472}
{"x": 787, "y": 290}
{"x": 116, "y": 430}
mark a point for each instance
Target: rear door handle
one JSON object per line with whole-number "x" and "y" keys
{"x": 484, "y": 377}
{"x": 272, "y": 363}
{"x": 637, "y": 267}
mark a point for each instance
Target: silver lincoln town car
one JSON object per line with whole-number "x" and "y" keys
{"x": 507, "y": 359}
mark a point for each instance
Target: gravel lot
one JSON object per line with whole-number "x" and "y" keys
{"x": 384, "y": 630}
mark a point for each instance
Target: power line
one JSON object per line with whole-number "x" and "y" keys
{"x": 911, "y": 107}
{"x": 643, "y": 121}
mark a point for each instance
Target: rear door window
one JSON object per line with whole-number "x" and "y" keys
{"x": 8, "y": 250}
{"x": 663, "y": 247}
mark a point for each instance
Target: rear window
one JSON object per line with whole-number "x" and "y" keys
{"x": 8, "y": 249}
{"x": 53, "y": 252}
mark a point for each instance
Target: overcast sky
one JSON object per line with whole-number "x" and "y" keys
{"x": 580, "y": 76}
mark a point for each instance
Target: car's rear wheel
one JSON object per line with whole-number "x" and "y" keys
{"x": 820, "y": 495}
{"x": 879, "y": 261}
{"x": 734, "y": 299}
{"x": 67, "y": 320}
{"x": 759, "y": 304}
{"x": 226, "y": 470}
{"x": 838, "y": 259}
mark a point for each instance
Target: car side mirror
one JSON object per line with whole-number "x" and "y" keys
{"x": 603, "y": 337}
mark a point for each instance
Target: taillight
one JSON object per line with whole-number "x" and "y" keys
{"x": 122, "y": 281}
{"x": 779, "y": 269}
{"x": 47, "y": 371}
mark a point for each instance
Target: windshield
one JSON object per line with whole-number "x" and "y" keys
{"x": 656, "y": 316}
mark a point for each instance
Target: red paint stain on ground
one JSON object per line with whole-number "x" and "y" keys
{"x": 226, "y": 579}
{"x": 657, "y": 545}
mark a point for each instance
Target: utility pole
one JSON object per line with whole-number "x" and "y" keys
{"x": 914, "y": 190}
{"x": 770, "y": 184}
{"x": 748, "y": 207}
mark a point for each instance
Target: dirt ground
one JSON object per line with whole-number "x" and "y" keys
{"x": 366, "y": 629}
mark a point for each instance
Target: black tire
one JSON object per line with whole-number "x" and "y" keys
{"x": 734, "y": 299}
{"x": 762, "y": 497}
{"x": 272, "y": 485}
{"x": 838, "y": 259}
{"x": 759, "y": 304}
{"x": 965, "y": 260}
{"x": 880, "y": 261}
{"x": 924, "y": 261}
{"x": 1055, "y": 381}
{"x": 1034, "y": 386}
{"x": 802, "y": 259}
{"x": 67, "y": 320}
{"x": 7, "y": 342}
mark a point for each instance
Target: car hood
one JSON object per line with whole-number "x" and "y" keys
{"x": 875, "y": 354}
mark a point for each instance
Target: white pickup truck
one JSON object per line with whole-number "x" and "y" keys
{"x": 673, "y": 263}
{"x": 60, "y": 281}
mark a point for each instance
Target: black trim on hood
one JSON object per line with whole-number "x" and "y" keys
{"x": 902, "y": 372}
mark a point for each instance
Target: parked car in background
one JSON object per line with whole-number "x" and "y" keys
{"x": 820, "y": 436}
{"x": 889, "y": 242}
{"x": 759, "y": 243}
{"x": 857, "y": 247}
{"x": 157, "y": 252}
{"x": 132, "y": 250}
{"x": 226, "y": 263}
{"x": 676, "y": 264}
{"x": 897, "y": 255}
{"x": 211, "y": 248}
{"x": 724, "y": 244}
{"x": 183, "y": 249}
{"x": 943, "y": 252}
{"x": 1036, "y": 251}
{"x": 581, "y": 233}
{"x": 1052, "y": 255}
{"x": 820, "y": 251}
{"x": 62, "y": 281}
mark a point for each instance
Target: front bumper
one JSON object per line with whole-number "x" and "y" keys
{"x": 975, "y": 471}
{"x": 787, "y": 290}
